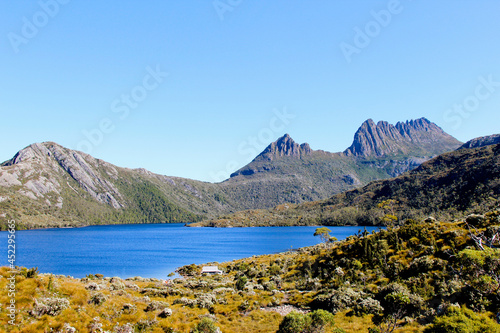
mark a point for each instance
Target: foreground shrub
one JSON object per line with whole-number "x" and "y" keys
{"x": 186, "y": 301}
{"x": 156, "y": 305}
{"x": 341, "y": 299}
{"x": 241, "y": 282}
{"x": 49, "y": 306}
{"x": 93, "y": 286}
{"x": 397, "y": 301}
{"x": 29, "y": 273}
{"x": 463, "y": 320}
{"x": 294, "y": 322}
{"x": 145, "y": 325}
{"x": 127, "y": 328}
{"x": 117, "y": 285}
{"x": 206, "y": 325}
{"x": 206, "y": 301}
{"x": 348, "y": 298}
{"x": 167, "y": 312}
{"x": 368, "y": 306}
{"x": 129, "y": 308}
{"x": 317, "y": 321}
{"x": 98, "y": 299}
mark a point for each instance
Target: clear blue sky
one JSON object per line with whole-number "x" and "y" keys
{"x": 73, "y": 66}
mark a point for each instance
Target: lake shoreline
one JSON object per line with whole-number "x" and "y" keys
{"x": 153, "y": 249}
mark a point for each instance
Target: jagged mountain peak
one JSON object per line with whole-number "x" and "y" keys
{"x": 285, "y": 146}
{"x": 419, "y": 136}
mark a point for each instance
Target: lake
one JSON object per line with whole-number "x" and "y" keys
{"x": 151, "y": 250}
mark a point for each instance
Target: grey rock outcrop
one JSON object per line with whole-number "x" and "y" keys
{"x": 285, "y": 146}
{"x": 482, "y": 141}
{"x": 383, "y": 139}
{"x": 39, "y": 165}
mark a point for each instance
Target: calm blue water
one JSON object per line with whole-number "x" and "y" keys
{"x": 151, "y": 250}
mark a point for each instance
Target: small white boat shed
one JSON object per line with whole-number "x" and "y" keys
{"x": 211, "y": 270}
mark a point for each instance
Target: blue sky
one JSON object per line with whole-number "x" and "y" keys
{"x": 197, "y": 88}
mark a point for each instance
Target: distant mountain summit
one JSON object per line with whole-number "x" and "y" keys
{"x": 285, "y": 146}
{"x": 419, "y": 137}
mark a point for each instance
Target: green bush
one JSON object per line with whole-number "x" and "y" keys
{"x": 29, "y": 273}
{"x": 206, "y": 325}
{"x": 462, "y": 320}
{"x": 314, "y": 322}
{"x": 240, "y": 283}
{"x": 320, "y": 320}
{"x": 274, "y": 270}
{"x": 294, "y": 322}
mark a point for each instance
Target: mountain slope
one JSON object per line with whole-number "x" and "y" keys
{"x": 46, "y": 185}
{"x": 453, "y": 183}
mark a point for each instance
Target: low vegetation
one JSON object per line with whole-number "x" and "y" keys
{"x": 415, "y": 276}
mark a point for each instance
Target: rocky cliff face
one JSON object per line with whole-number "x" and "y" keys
{"x": 416, "y": 137}
{"x": 47, "y": 185}
{"x": 285, "y": 146}
{"x": 39, "y": 166}
{"x": 482, "y": 141}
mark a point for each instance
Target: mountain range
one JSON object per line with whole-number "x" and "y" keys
{"x": 452, "y": 184}
{"x": 47, "y": 185}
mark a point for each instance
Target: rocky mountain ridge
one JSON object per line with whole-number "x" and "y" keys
{"x": 378, "y": 151}
{"x": 414, "y": 136}
{"x": 454, "y": 184}
{"x": 47, "y": 182}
